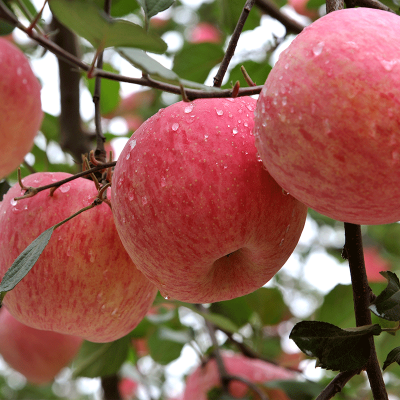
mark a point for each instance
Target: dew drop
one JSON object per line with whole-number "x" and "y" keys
{"x": 220, "y": 112}
{"x": 175, "y": 126}
{"x": 388, "y": 65}
{"x": 189, "y": 108}
{"x": 235, "y": 131}
{"x": 144, "y": 200}
{"x": 163, "y": 182}
{"x": 65, "y": 188}
{"x": 285, "y": 193}
{"x": 132, "y": 143}
{"x": 131, "y": 196}
{"x": 128, "y": 156}
{"x": 13, "y": 202}
{"x": 317, "y": 49}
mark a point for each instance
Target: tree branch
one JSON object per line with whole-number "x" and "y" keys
{"x": 230, "y": 51}
{"x": 353, "y": 251}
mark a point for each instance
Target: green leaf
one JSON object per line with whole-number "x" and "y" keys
{"x": 306, "y": 390}
{"x": 5, "y": 28}
{"x": 51, "y": 127}
{"x": 165, "y": 345}
{"x": 109, "y": 94}
{"x": 153, "y": 7}
{"x": 101, "y": 359}
{"x": 387, "y": 304}
{"x": 148, "y": 65}
{"x": 237, "y": 310}
{"x": 393, "y": 356}
{"x": 120, "y": 8}
{"x": 4, "y": 186}
{"x": 195, "y": 61}
{"x": 335, "y": 349}
{"x": 25, "y": 261}
{"x": 90, "y": 22}
{"x": 258, "y": 72}
{"x": 230, "y": 13}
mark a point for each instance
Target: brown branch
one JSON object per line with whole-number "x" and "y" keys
{"x": 336, "y": 385}
{"x": 270, "y": 8}
{"x": 73, "y": 137}
{"x": 334, "y": 5}
{"x": 230, "y": 51}
{"x": 369, "y": 4}
{"x": 353, "y": 251}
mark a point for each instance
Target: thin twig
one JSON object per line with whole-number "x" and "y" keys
{"x": 353, "y": 251}
{"x": 233, "y": 43}
{"x": 336, "y": 385}
{"x": 334, "y": 5}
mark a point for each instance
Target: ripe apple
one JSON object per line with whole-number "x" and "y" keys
{"x": 20, "y": 107}
{"x": 374, "y": 263}
{"x": 327, "y": 122}
{"x": 205, "y": 32}
{"x": 38, "y": 355}
{"x": 84, "y": 282}
{"x": 206, "y": 377}
{"x": 300, "y": 6}
{"x": 194, "y": 207}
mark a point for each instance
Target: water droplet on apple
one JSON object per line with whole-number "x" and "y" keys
{"x": 388, "y": 65}
{"x": 163, "y": 182}
{"x": 220, "y": 112}
{"x": 284, "y": 101}
{"x": 13, "y": 202}
{"x": 285, "y": 193}
{"x": 65, "y": 188}
{"x": 120, "y": 182}
{"x": 132, "y": 143}
{"x": 189, "y": 108}
{"x": 100, "y": 297}
{"x": 317, "y": 49}
{"x": 282, "y": 117}
{"x": 128, "y": 156}
{"x": 281, "y": 242}
{"x": 234, "y": 131}
{"x": 144, "y": 200}
{"x": 175, "y": 126}
{"x": 103, "y": 308}
{"x": 131, "y": 196}
{"x": 114, "y": 312}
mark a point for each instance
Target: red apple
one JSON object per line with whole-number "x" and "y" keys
{"x": 38, "y": 355}
{"x": 205, "y": 32}
{"x": 20, "y": 107}
{"x": 374, "y": 263}
{"x": 84, "y": 282}
{"x": 300, "y": 6}
{"x": 194, "y": 207}
{"x": 206, "y": 377}
{"x": 127, "y": 388}
{"x": 327, "y": 122}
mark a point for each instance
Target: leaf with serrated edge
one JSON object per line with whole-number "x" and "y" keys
{"x": 153, "y": 7}
{"x": 387, "y": 304}
{"x": 90, "y": 22}
{"x": 25, "y": 261}
{"x": 393, "y": 356}
{"x": 335, "y": 348}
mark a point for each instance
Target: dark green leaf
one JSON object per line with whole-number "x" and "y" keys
{"x": 120, "y": 8}
{"x": 4, "y": 186}
{"x": 5, "y": 28}
{"x": 50, "y": 127}
{"x": 109, "y": 95}
{"x": 90, "y": 22}
{"x": 101, "y": 359}
{"x": 153, "y": 7}
{"x": 230, "y": 13}
{"x": 25, "y": 261}
{"x": 195, "y": 61}
{"x": 393, "y": 356}
{"x": 336, "y": 349}
{"x": 387, "y": 304}
{"x": 237, "y": 310}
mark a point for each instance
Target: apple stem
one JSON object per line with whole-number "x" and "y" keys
{"x": 230, "y": 51}
{"x": 353, "y": 252}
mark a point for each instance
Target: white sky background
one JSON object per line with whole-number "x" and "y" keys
{"x": 320, "y": 271}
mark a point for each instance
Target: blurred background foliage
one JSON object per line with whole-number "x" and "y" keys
{"x": 173, "y": 338}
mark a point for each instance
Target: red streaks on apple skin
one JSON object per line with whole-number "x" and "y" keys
{"x": 84, "y": 282}
{"x": 189, "y": 189}
{"x": 326, "y": 123}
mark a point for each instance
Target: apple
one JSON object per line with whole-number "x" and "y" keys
{"x": 327, "y": 122}
{"x": 300, "y": 6}
{"x": 205, "y": 32}
{"x": 127, "y": 388}
{"x": 84, "y": 282}
{"x": 374, "y": 263}
{"x": 38, "y": 355}
{"x": 194, "y": 207}
{"x": 207, "y": 376}
{"x": 20, "y": 107}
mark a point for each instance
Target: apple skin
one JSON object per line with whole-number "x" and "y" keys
{"x": 327, "y": 121}
{"x": 205, "y": 32}
{"x": 194, "y": 207}
{"x": 38, "y": 355}
{"x": 374, "y": 263}
{"x": 206, "y": 377}
{"x": 84, "y": 282}
{"x": 20, "y": 107}
{"x": 300, "y": 6}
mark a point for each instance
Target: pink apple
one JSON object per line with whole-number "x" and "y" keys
{"x": 205, "y": 32}
{"x": 300, "y": 6}
{"x": 84, "y": 282}
{"x": 194, "y": 207}
{"x": 374, "y": 263}
{"x": 206, "y": 377}
{"x": 20, "y": 107}
{"x": 327, "y": 121}
{"x": 38, "y": 355}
